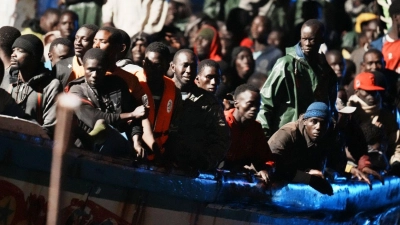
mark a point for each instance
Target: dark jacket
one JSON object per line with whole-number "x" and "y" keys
{"x": 200, "y": 137}
{"x": 109, "y": 103}
{"x": 295, "y": 154}
{"x": 37, "y": 98}
{"x": 62, "y": 70}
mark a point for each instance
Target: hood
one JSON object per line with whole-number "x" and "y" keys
{"x": 215, "y": 48}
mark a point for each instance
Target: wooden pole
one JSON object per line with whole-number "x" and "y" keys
{"x": 66, "y": 104}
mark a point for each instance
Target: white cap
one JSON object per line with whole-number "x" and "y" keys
{"x": 344, "y": 109}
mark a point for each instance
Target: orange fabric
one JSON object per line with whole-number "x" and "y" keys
{"x": 77, "y": 70}
{"x": 215, "y": 48}
{"x": 39, "y": 111}
{"x": 135, "y": 88}
{"x": 247, "y": 42}
{"x": 161, "y": 122}
{"x": 391, "y": 54}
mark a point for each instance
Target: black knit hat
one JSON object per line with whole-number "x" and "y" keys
{"x": 31, "y": 44}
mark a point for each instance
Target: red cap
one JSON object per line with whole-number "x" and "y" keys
{"x": 366, "y": 81}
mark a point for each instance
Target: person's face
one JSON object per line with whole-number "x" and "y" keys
{"x": 257, "y": 28}
{"x": 372, "y": 62}
{"x": 274, "y": 39}
{"x": 185, "y": 68}
{"x": 94, "y": 72}
{"x": 49, "y": 22}
{"x": 369, "y": 97}
{"x": 20, "y": 58}
{"x": 371, "y": 30}
{"x": 208, "y": 79}
{"x": 203, "y": 47}
{"x": 83, "y": 41}
{"x": 138, "y": 51}
{"x": 310, "y": 40}
{"x": 244, "y": 64}
{"x": 315, "y": 128}
{"x": 248, "y": 104}
{"x": 101, "y": 40}
{"x": 337, "y": 64}
{"x": 59, "y": 52}
{"x": 154, "y": 66}
{"x": 66, "y": 25}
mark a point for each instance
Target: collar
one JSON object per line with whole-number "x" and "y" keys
{"x": 298, "y": 50}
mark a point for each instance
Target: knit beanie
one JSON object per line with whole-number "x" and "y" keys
{"x": 31, "y": 44}
{"x": 317, "y": 109}
{"x": 206, "y": 33}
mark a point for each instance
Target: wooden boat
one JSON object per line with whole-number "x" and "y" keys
{"x": 103, "y": 190}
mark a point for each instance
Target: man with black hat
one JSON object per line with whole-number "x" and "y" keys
{"x": 35, "y": 90}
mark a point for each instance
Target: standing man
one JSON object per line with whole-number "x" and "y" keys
{"x": 161, "y": 95}
{"x": 184, "y": 67}
{"x": 71, "y": 68}
{"x": 301, "y": 77}
{"x": 200, "y": 138}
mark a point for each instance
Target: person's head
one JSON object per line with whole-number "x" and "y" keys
{"x": 49, "y": 20}
{"x": 336, "y": 61}
{"x": 68, "y": 24}
{"x": 257, "y": 80}
{"x": 84, "y": 39}
{"x": 366, "y": 89}
{"x": 27, "y": 52}
{"x": 394, "y": 12}
{"x": 246, "y": 102}
{"x": 226, "y": 40}
{"x": 126, "y": 43}
{"x": 260, "y": 28}
{"x": 243, "y": 62}
{"x": 207, "y": 43}
{"x": 373, "y": 60}
{"x": 60, "y": 48}
{"x": 109, "y": 39}
{"x": 95, "y": 63}
{"x": 275, "y": 38}
{"x": 316, "y": 120}
{"x": 311, "y": 37}
{"x": 156, "y": 63}
{"x": 7, "y": 37}
{"x": 139, "y": 43}
{"x": 184, "y": 67}
{"x": 208, "y": 75}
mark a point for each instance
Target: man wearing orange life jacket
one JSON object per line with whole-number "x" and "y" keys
{"x": 161, "y": 96}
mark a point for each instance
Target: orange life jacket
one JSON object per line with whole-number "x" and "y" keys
{"x": 160, "y": 123}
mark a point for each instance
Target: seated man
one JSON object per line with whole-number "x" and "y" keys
{"x": 60, "y": 48}
{"x": 249, "y": 144}
{"x": 300, "y": 148}
{"x": 106, "y": 98}
{"x": 200, "y": 138}
{"x": 35, "y": 90}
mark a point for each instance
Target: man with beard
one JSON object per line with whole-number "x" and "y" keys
{"x": 301, "y": 77}
{"x": 35, "y": 90}
{"x": 71, "y": 68}
{"x": 184, "y": 67}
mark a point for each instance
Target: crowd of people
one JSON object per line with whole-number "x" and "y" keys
{"x": 201, "y": 92}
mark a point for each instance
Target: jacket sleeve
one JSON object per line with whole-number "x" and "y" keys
{"x": 271, "y": 95}
{"x": 218, "y": 139}
{"x": 88, "y": 114}
{"x": 49, "y": 108}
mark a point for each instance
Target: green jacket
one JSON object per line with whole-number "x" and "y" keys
{"x": 291, "y": 87}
